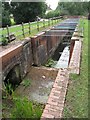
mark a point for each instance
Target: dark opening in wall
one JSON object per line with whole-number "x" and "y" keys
{"x": 13, "y": 78}
{"x": 58, "y": 52}
{"x": 61, "y": 46}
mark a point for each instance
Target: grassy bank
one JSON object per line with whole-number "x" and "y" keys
{"x": 76, "y": 105}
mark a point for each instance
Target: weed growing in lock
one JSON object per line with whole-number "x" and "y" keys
{"x": 16, "y": 107}
{"x": 26, "y": 82}
{"x": 8, "y": 90}
{"x": 50, "y": 63}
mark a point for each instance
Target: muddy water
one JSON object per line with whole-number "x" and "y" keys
{"x": 41, "y": 82}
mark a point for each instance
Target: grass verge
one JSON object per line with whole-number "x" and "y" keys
{"x": 76, "y": 105}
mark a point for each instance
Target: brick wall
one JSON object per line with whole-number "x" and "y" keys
{"x": 44, "y": 45}
{"x": 20, "y": 55}
{"x": 39, "y": 49}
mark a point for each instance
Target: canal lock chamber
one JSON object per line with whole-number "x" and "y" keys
{"x": 62, "y": 54}
{"x": 53, "y": 48}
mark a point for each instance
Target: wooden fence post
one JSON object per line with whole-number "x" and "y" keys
{"x": 37, "y": 25}
{"x": 8, "y": 33}
{"x": 48, "y": 22}
{"x": 23, "y": 29}
{"x": 56, "y": 19}
{"x": 52, "y": 21}
{"x": 2, "y": 32}
{"x": 29, "y": 28}
{"x": 44, "y": 23}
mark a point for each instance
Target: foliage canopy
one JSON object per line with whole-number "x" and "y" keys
{"x": 5, "y": 15}
{"x": 73, "y": 8}
{"x": 27, "y": 11}
{"x": 22, "y": 11}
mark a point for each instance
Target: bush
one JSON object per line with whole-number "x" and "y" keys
{"x": 52, "y": 14}
{"x": 12, "y": 21}
{"x": 4, "y": 41}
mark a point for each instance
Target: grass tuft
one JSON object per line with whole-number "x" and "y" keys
{"x": 26, "y": 83}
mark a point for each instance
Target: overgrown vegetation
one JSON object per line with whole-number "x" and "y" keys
{"x": 50, "y": 63}
{"x": 76, "y": 105}
{"x": 23, "y": 108}
{"x": 16, "y": 107}
{"x": 4, "y": 41}
{"x": 19, "y": 107}
{"x": 26, "y": 82}
{"x": 7, "y": 91}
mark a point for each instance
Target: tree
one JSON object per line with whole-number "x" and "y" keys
{"x": 5, "y": 15}
{"x": 27, "y": 11}
{"x": 89, "y": 11}
{"x": 74, "y": 8}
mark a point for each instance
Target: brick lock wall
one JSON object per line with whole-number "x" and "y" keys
{"x": 20, "y": 55}
{"x": 44, "y": 45}
{"x": 39, "y": 49}
{"x": 10, "y": 59}
{"x": 26, "y": 58}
